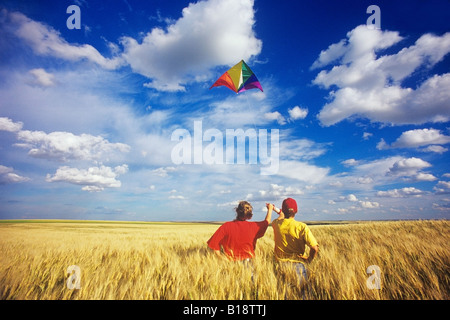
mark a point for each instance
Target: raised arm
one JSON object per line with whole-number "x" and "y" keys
{"x": 269, "y": 212}
{"x": 279, "y": 212}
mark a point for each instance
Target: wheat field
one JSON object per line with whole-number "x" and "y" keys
{"x": 171, "y": 261}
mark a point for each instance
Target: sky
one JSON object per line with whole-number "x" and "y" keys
{"x": 106, "y": 111}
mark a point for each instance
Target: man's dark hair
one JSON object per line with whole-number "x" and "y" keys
{"x": 289, "y": 213}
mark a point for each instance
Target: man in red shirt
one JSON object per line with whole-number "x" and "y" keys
{"x": 238, "y": 237}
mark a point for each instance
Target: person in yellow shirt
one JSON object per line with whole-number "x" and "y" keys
{"x": 291, "y": 238}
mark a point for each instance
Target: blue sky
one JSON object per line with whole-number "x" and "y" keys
{"x": 87, "y": 115}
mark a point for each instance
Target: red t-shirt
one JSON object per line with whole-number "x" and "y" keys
{"x": 238, "y": 238}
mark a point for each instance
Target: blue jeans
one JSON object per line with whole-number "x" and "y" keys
{"x": 300, "y": 269}
{"x": 302, "y": 276}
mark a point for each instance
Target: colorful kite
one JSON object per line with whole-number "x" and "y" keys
{"x": 238, "y": 78}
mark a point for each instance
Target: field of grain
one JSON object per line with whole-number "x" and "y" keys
{"x": 171, "y": 261}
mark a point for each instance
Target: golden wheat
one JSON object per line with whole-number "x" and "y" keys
{"x": 171, "y": 261}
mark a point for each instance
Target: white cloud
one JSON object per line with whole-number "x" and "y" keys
{"x": 364, "y": 180}
{"x": 64, "y": 146}
{"x": 302, "y": 171}
{"x": 353, "y": 199}
{"x": 408, "y": 167}
{"x": 336, "y": 184}
{"x": 369, "y": 204}
{"x": 7, "y": 175}
{"x": 272, "y": 116}
{"x": 442, "y": 187}
{"x": 401, "y": 193}
{"x": 177, "y": 197}
{"x": 42, "y": 78}
{"x": 421, "y": 176}
{"x": 163, "y": 171}
{"x": 417, "y": 138}
{"x": 367, "y": 135}
{"x": 92, "y": 179}
{"x": 435, "y": 149}
{"x": 122, "y": 169}
{"x": 301, "y": 149}
{"x": 186, "y": 51}
{"x": 350, "y": 162}
{"x": 445, "y": 184}
{"x": 370, "y": 87}
{"x": 209, "y": 33}
{"x": 297, "y": 113}
{"x": 372, "y": 172}
{"x": 367, "y": 174}
{"x": 334, "y": 52}
{"x": 7, "y": 124}
{"x": 238, "y": 111}
{"x": 46, "y": 41}
{"x": 280, "y": 192}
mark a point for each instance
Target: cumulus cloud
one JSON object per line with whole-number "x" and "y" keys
{"x": 418, "y": 138}
{"x": 7, "y": 124}
{"x": 366, "y": 204}
{"x": 371, "y": 87}
{"x": 435, "y": 149}
{"x": 408, "y": 166}
{"x": 279, "y": 192}
{"x": 209, "y": 33}
{"x": 363, "y": 174}
{"x": 7, "y": 175}
{"x": 272, "y": 116}
{"x": 297, "y": 113}
{"x": 163, "y": 171}
{"x": 46, "y": 41}
{"x": 369, "y": 204}
{"x": 42, "y": 78}
{"x": 442, "y": 187}
{"x": 187, "y": 50}
{"x": 350, "y": 162}
{"x": 367, "y": 135}
{"x": 92, "y": 179}
{"x": 64, "y": 146}
{"x": 349, "y": 198}
{"x": 410, "y": 169}
{"x": 401, "y": 193}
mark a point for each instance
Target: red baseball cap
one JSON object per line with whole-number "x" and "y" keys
{"x": 289, "y": 205}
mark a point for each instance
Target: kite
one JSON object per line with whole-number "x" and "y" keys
{"x": 238, "y": 78}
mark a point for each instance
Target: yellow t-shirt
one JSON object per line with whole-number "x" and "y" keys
{"x": 290, "y": 239}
